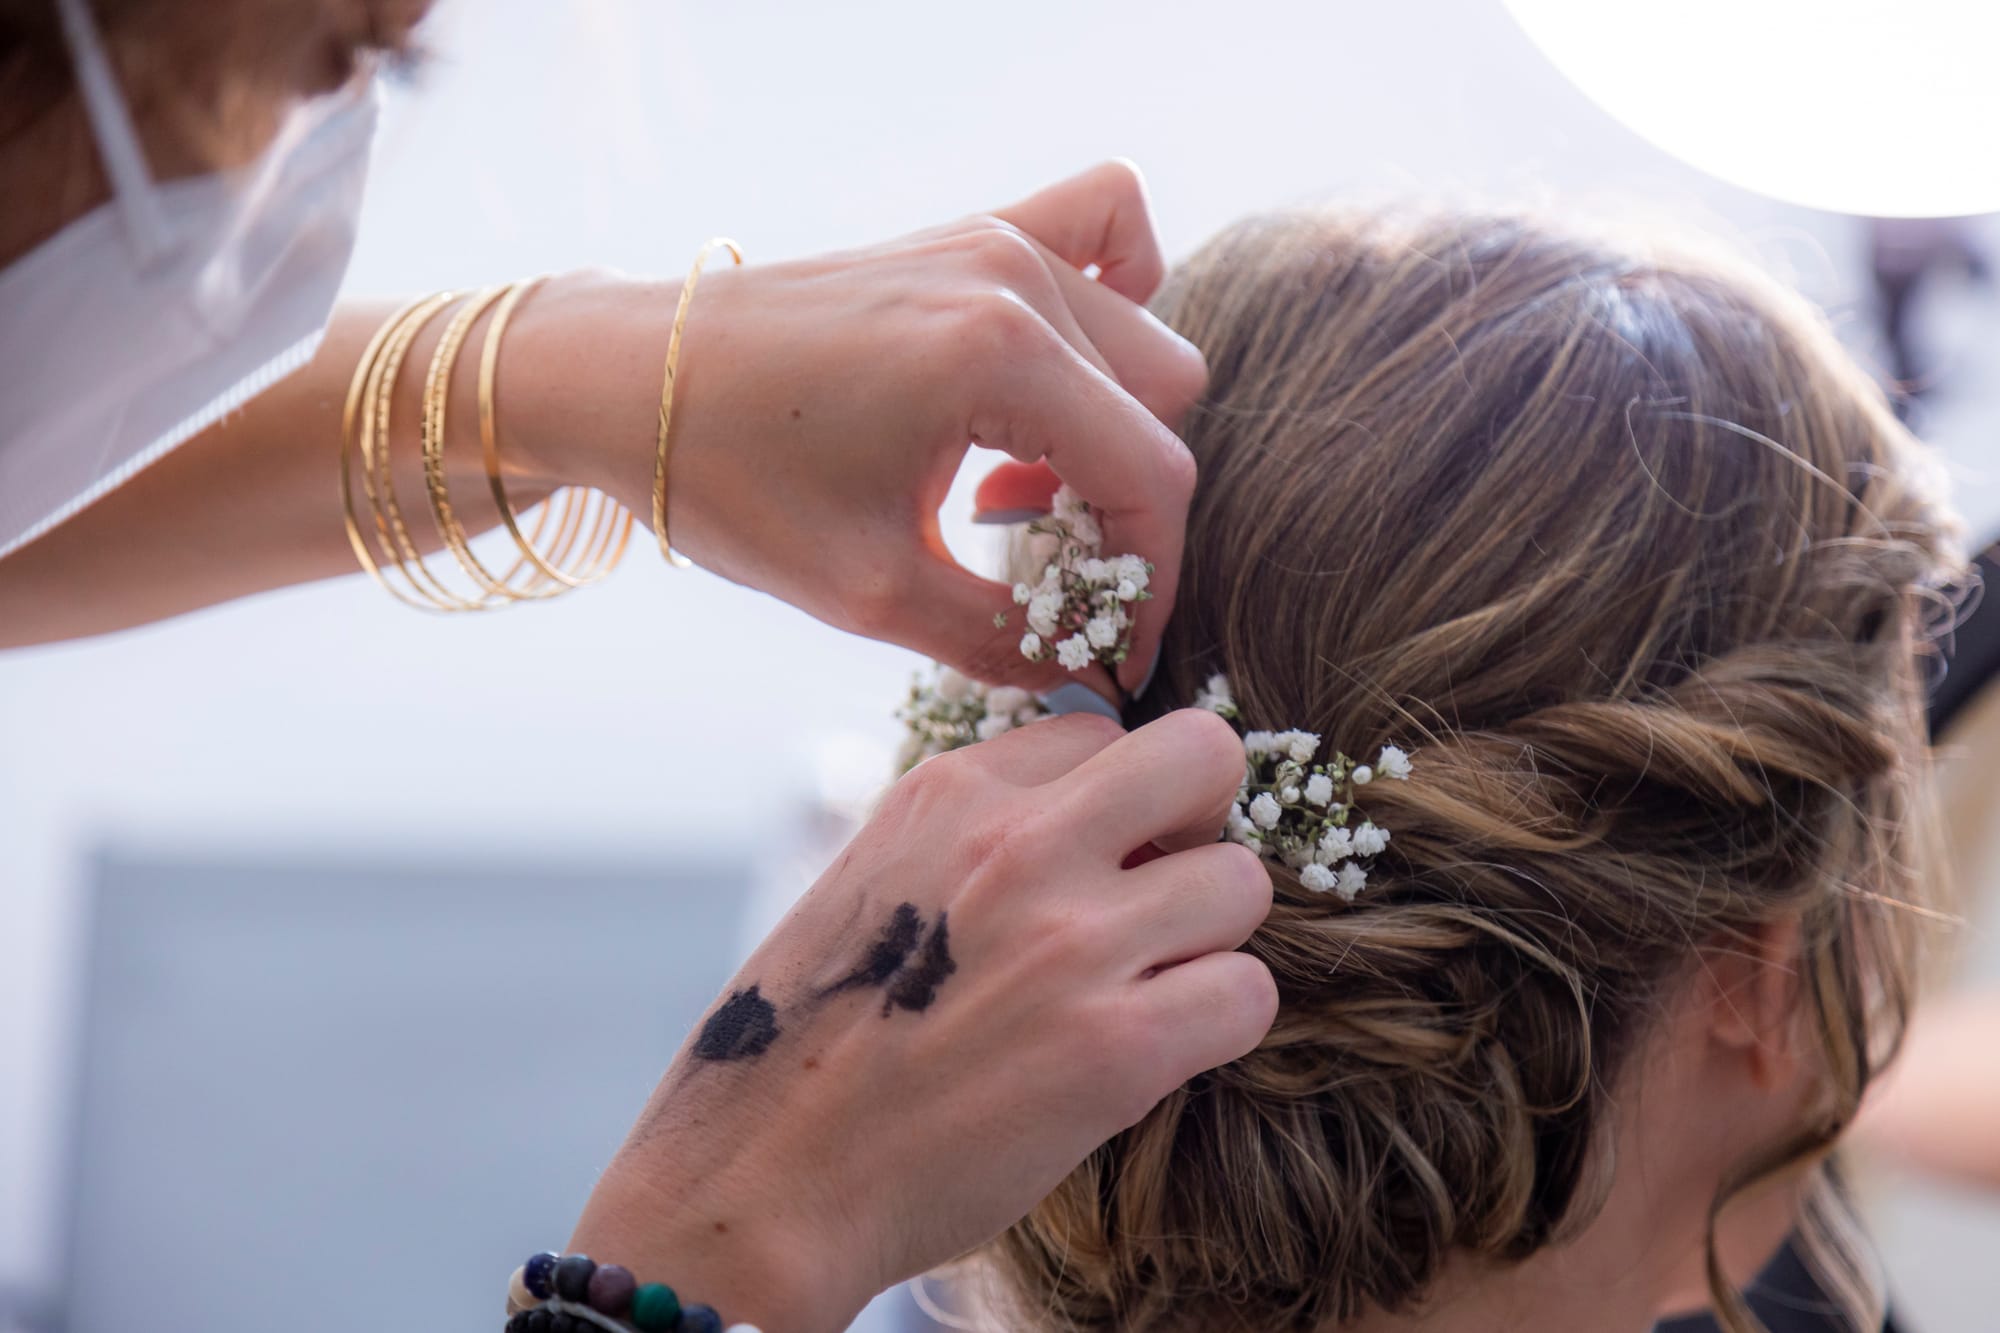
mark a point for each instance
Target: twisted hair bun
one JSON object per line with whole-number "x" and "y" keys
{"x": 1641, "y": 567}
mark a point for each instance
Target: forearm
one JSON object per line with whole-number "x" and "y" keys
{"x": 253, "y": 503}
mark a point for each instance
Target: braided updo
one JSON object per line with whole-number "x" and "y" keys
{"x": 1642, "y": 567}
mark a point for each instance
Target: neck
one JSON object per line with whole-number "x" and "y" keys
{"x": 1626, "y": 1268}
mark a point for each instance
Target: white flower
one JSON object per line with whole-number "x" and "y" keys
{"x": 1264, "y": 811}
{"x": 1043, "y": 608}
{"x": 1351, "y": 880}
{"x": 1128, "y": 591}
{"x": 1362, "y": 775}
{"x": 1257, "y": 744}
{"x": 1022, "y": 592}
{"x": 1067, "y": 505}
{"x": 1075, "y": 653}
{"x": 1317, "y": 878}
{"x": 1289, "y": 795}
{"x": 1368, "y": 840}
{"x": 1239, "y": 828}
{"x": 1031, "y": 645}
{"x": 1102, "y": 631}
{"x": 1051, "y": 577}
{"x": 1298, "y": 858}
{"x": 952, "y": 686}
{"x": 993, "y": 724}
{"x": 1319, "y": 788}
{"x": 1094, "y": 570}
{"x": 1007, "y": 699}
{"x": 1334, "y": 844}
{"x": 1393, "y": 763}
{"x": 1132, "y": 569}
{"x": 1303, "y": 745}
{"x": 1217, "y": 687}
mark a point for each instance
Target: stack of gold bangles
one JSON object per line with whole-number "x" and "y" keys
{"x": 576, "y": 537}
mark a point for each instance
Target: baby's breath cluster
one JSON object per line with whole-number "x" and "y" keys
{"x": 951, "y": 710}
{"x": 1081, "y": 610}
{"x": 1300, "y": 812}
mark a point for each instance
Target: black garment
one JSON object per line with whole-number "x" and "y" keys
{"x": 1786, "y": 1298}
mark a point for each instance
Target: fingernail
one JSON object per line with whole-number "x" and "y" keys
{"x": 1001, "y": 517}
{"x": 1077, "y": 697}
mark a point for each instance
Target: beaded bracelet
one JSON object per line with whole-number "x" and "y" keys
{"x": 572, "y": 1293}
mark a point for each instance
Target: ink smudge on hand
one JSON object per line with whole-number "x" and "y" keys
{"x": 896, "y": 943}
{"x": 743, "y": 1028}
{"x": 916, "y": 985}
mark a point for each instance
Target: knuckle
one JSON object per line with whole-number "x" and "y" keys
{"x": 1097, "y": 730}
{"x": 1208, "y": 745}
{"x": 1120, "y": 178}
{"x": 1178, "y": 471}
{"x": 1000, "y": 253}
{"x": 999, "y": 849}
{"x": 1254, "y": 999}
{"x": 1002, "y": 328}
{"x": 1246, "y": 873}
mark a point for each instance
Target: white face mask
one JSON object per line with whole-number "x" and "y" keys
{"x": 149, "y": 318}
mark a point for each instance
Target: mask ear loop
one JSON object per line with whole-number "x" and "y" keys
{"x": 111, "y": 126}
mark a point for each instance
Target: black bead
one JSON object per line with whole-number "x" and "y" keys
{"x": 573, "y": 1277}
{"x": 519, "y": 1322}
{"x": 700, "y": 1319}
{"x": 538, "y": 1272}
{"x": 538, "y": 1321}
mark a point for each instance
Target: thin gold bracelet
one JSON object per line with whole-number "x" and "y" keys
{"x": 437, "y": 394}
{"x": 378, "y": 477}
{"x": 665, "y": 444}
{"x": 370, "y": 394}
{"x": 349, "y": 416}
{"x": 612, "y": 529}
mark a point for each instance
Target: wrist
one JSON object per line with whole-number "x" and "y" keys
{"x": 752, "y": 1261}
{"x": 579, "y": 384}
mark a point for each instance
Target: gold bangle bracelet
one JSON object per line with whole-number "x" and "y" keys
{"x": 437, "y": 393}
{"x": 665, "y": 442}
{"x": 612, "y": 529}
{"x": 588, "y": 531}
{"x": 349, "y": 416}
{"x": 365, "y": 435}
{"x": 377, "y": 475}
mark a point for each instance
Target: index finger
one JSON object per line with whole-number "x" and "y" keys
{"x": 1136, "y": 474}
{"x": 1119, "y": 800}
{"x": 1100, "y": 217}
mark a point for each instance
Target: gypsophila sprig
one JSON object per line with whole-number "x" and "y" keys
{"x": 1080, "y": 610}
{"x": 1301, "y": 812}
{"x": 950, "y": 710}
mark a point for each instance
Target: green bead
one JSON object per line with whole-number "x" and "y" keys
{"x": 655, "y": 1308}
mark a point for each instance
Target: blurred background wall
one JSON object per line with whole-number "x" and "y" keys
{"x": 300, "y": 893}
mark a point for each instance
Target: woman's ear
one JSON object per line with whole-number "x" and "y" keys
{"x": 1751, "y": 998}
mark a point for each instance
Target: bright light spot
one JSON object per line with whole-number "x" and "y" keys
{"x": 1888, "y": 108}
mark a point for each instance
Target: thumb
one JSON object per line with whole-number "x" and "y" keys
{"x": 973, "y": 624}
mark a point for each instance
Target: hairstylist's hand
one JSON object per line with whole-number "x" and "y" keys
{"x": 823, "y": 408}
{"x": 972, "y": 998}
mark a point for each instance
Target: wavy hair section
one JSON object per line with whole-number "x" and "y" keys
{"x": 1648, "y": 572}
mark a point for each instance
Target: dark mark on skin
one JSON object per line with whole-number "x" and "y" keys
{"x": 742, "y": 1029}
{"x": 896, "y": 943}
{"x": 916, "y": 986}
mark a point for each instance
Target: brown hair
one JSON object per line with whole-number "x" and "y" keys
{"x": 1642, "y": 568}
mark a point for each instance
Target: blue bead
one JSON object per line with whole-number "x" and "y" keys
{"x": 699, "y": 1319}
{"x": 539, "y": 1274}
